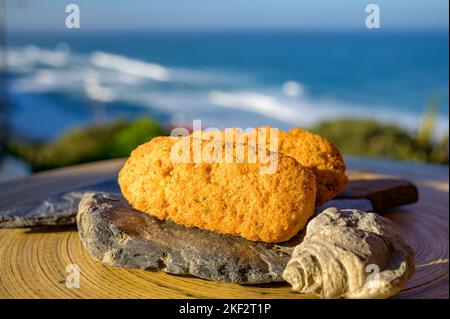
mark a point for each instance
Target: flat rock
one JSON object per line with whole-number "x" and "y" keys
{"x": 56, "y": 210}
{"x": 384, "y": 192}
{"x": 365, "y": 191}
{"x": 117, "y": 235}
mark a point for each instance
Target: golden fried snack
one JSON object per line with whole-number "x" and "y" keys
{"x": 228, "y": 198}
{"x": 310, "y": 150}
{"x": 321, "y": 156}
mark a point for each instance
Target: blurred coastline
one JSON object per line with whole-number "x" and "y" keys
{"x": 226, "y": 79}
{"x": 63, "y": 81}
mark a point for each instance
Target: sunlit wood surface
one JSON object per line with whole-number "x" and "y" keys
{"x": 33, "y": 261}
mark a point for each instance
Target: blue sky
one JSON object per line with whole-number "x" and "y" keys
{"x": 230, "y": 14}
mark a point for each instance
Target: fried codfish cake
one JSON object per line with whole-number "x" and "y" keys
{"x": 310, "y": 150}
{"x": 321, "y": 156}
{"x": 228, "y": 198}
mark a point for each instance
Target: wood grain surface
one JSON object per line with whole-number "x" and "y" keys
{"x": 33, "y": 261}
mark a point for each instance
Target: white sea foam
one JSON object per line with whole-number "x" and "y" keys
{"x": 95, "y": 90}
{"x": 255, "y": 102}
{"x": 157, "y": 72}
{"x": 29, "y": 57}
{"x": 50, "y": 80}
{"x": 133, "y": 67}
{"x": 292, "y": 88}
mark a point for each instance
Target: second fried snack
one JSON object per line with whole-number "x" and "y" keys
{"x": 321, "y": 156}
{"x": 228, "y": 198}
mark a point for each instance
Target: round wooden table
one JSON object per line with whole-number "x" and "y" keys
{"x": 33, "y": 262}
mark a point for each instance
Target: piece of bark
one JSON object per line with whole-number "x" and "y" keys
{"x": 56, "y": 210}
{"x": 384, "y": 192}
{"x": 350, "y": 254}
{"x": 117, "y": 235}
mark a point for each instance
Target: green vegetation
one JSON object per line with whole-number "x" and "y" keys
{"x": 369, "y": 138}
{"x": 117, "y": 139}
{"x": 81, "y": 145}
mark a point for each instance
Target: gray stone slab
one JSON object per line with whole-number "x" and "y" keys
{"x": 56, "y": 210}
{"x": 117, "y": 235}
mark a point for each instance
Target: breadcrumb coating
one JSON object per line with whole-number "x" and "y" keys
{"x": 321, "y": 156}
{"x": 228, "y": 198}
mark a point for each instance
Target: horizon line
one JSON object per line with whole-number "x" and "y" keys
{"x": 231, "y": 30}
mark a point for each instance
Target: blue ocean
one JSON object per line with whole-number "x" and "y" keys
{"x": 225, "y": 79}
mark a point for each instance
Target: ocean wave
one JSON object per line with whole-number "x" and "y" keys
{"x": 158, "y": 72}
{"x": 255, "y": 102}
{"x": 29, "y": 57}
{"x": 133, "y": 67}
{"x": 219, "y": 97}
{"x": 304, "y": 111}
{"x": 111, "y": 68}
